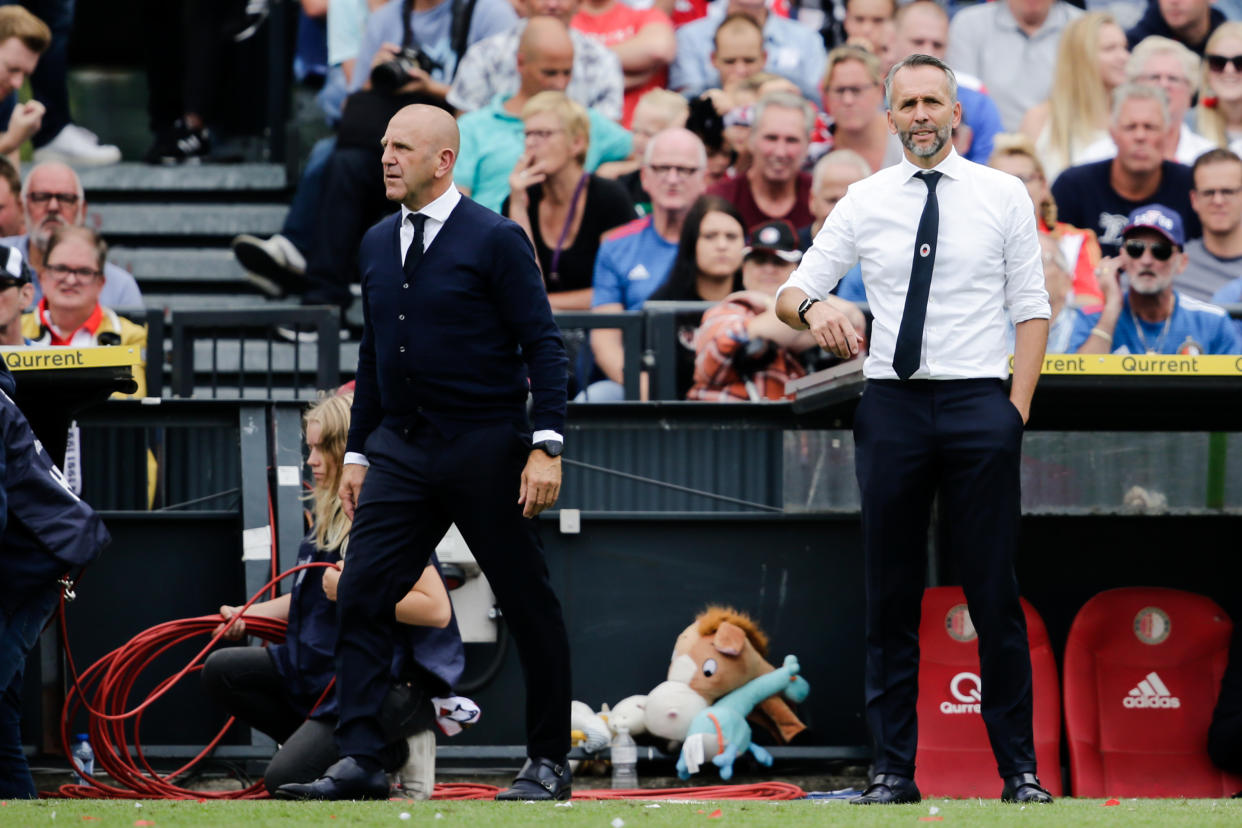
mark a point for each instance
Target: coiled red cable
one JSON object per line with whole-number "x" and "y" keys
{"x": 104, "y": 690}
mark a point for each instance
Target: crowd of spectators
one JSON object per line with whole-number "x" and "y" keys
{"x": 642, "y": 143}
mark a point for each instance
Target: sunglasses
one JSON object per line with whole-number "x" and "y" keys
{"x": 1217, "y": 62}
{"x": 1161, "y": 251}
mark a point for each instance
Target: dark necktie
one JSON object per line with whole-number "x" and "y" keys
{"x": 415, "y": 254}
{"x": 908, "y": 353}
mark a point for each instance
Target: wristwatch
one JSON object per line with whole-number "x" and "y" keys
{"x": 552, "y": 448}
{"x": 804, "y": 307}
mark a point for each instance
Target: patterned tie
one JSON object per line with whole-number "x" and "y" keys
{"x": 415, "y": 254}
{"x": 909, "y": 350}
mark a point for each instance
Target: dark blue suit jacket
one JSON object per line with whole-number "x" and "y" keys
{"x": 462, "y": 342}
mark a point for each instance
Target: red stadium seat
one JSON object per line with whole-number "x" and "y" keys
{"x": 954, "y": 755}
{"x": 1142, "y": 671}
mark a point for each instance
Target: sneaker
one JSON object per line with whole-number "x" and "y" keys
{"x": 275, "y": 266}
{"x": 417, "y": 777}
{"x": 79, "y": 147}
{"x": 180, "y": 145}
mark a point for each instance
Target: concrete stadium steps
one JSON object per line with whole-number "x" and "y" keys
{"x": 171, "y": 226}
{"x": 213, "y": 223}
{"x": 200, "y": 299}
{"x": 131, "y": 178}
{"x": 189, "y": 267}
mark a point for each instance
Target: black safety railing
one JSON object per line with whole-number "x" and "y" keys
{"x": 277, "y": 351}
{"x": 630, "y": 323}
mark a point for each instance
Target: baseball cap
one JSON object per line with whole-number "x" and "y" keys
{"x": 1157, "y": 217}
{"x": 14, "y": 272}
{"x": 775, "y": 237}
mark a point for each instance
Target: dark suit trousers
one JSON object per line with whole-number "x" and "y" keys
{"x": 961, "y": 439}
{"x": 418, "y": 483}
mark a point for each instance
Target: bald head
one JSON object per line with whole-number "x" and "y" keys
{"x": 420, "y": 148}
{"x": 545, "y": 57}
{"x": 676, "y": 139}
{"x": 436, "y": 126}
{"x": 544, "y": 34}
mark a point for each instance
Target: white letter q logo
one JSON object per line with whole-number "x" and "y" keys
{"x": 972, "y": 695}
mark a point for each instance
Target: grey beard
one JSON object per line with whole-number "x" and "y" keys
{"x": 942, "y": 138}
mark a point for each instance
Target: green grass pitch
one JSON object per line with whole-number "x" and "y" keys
{"x": 629, "y": 814}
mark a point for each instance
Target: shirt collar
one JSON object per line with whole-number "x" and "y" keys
{"x": 59, "y": 337}
{"x": 439, "y": 209}
{"x": 951, "y": 165}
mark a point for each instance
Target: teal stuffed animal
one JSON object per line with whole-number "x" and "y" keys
{"x": 720, "y": 732}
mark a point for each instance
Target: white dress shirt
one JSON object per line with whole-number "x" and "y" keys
{"x": 437, "y": 212}
{"x": 988, "y": 270}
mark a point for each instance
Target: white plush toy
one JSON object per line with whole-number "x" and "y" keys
{"x": 630, "y": 711}
{"x": 595, "y": 732}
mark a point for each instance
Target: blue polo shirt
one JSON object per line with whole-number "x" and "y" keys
{"x": 633, "y": 260}
{"x": 492, "y": 141}
{"x": 1195, "y": 327}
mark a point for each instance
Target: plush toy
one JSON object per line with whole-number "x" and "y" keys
{"x": 720, "y": 732}
{"x": 720, "y": 652}
{"x": 629, "y": 712}
{"x": 587, "y": 729}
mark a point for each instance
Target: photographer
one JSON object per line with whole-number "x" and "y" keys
{"x": 421, "y": 41}
{"x": 742, "y": 351}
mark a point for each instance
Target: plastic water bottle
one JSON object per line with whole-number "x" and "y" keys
{"x": 83, "y": 758}
{"x": 624, "y": 760}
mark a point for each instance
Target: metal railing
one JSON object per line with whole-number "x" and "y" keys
{"x": 278, "y": 351}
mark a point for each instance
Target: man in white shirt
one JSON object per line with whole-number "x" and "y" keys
{"x": 935, "y": 419}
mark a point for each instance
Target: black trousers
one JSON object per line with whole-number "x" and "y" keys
{"x": 961, "y": 439}
{"x": 244, "y": 681}
{"x": 418, "y": 484}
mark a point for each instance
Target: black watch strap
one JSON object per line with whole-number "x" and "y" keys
{"x": 552, "y": 448}
{"x": 803, "y": 308}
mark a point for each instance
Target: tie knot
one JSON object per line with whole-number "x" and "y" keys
{"x": 416, "y": 219}
{"x": 930, "y": 178}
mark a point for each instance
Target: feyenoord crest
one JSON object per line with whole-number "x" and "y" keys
{"x": 1190, "y": 348}
{"x": 925, "y": 250}
{"x": 958, "y": 625}
{"x": 1152, "y": 625}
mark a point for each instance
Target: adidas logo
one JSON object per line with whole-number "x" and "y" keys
{"x": 1151, "y": 693}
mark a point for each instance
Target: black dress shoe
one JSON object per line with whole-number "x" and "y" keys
{"x": 889, "y": 788}
{"x": 344, "y": 780}
{"x": 1024, "y": 788}
{"x": 539, "y": 780}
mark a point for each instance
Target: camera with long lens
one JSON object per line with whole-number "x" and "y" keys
{"x": 391, "y": 75}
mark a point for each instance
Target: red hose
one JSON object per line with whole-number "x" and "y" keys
{"x": 104, "y": 690}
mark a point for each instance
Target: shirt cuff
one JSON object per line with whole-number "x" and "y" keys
{"x": 538, "y": 437}
{"x": 355, "y": 458}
